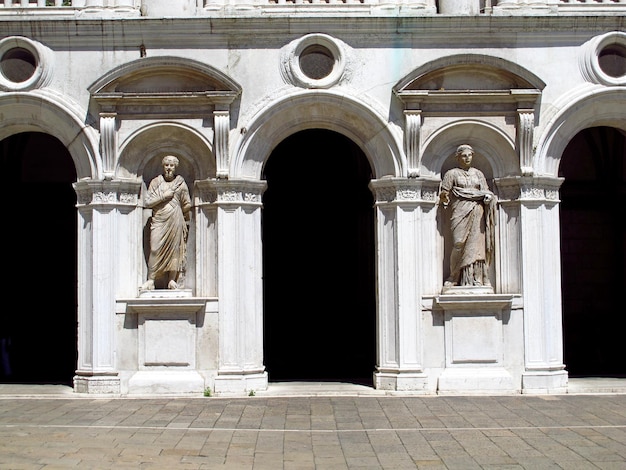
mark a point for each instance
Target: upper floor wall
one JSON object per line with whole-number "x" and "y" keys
{"x": 190, "y": 8}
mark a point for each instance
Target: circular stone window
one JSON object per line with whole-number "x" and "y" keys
{"x": 612, "y": 60}
{"x": 18, "y": 64}
{"x": 604, "y": 59}
{"x": 314, "y": 61}
{"x": 24, "y": 64}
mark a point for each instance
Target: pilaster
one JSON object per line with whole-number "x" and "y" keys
{"x": 541, "y": 282}
{"x": 240, "y": 286}
{"x": 400, "y": 250}
{"x": 98, "y": 205}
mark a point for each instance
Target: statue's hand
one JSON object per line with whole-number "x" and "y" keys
{"x": 488, "y": 197}
{"x": 168, "y": 194}
{"x": 444, "y": 199}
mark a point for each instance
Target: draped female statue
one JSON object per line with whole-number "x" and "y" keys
{"x": 471, "y": 207}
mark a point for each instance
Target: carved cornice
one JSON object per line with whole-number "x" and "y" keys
{"x": 537, "y": 189}
{"x": 229, "y": 192}
{"x": 403, "y": 190}
{"x": 92, "y": 193}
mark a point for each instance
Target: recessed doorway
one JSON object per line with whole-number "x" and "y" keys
{"x": 593, "y": 252}
{"x": 318, "y": 261}
{"x": 39, "y": 329}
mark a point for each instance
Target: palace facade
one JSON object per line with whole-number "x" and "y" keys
{"x": 313, "y": 137}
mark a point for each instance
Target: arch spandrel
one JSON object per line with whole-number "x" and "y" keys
{"x": 595, "y": 106}
{"x": 323, "y": 109}
{"x": 34, "y": 112}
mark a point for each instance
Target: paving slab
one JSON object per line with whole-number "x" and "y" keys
{"x": 302, "y": 427}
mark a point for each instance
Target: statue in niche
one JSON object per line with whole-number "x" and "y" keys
{"x": 168, "y": 197}
{"x": 472, "y": 209}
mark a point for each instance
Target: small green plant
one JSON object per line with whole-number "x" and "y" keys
{"x": 251, "y": 393}
{"x": 207, "y": 392}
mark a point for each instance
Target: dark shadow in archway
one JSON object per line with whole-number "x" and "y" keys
{"x": 593, "y": 248}
{"x": 38, "y": 327}
{"x": 318, "y": 261}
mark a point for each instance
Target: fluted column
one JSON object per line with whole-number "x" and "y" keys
{"x": 541, "y": 285}
{"x": 401, "y": 247}
{"x": 240, "y": 286}
{"x": 99, "y": 241}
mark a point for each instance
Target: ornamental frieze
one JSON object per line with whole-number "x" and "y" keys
{"x": 229, "y": 191}
{"x": 123, "y": 193}
{"x": 405, "y": 190}
{"x": 529, "y": 188}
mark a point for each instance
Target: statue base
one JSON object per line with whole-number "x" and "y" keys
{"x": 475, "y": 359}
{"x": 467, "y": 290}
{"x": 168, "y": 323}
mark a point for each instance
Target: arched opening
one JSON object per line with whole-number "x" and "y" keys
{"x": 39, "y": 331}
{"x": 318, "y": 260}
{"x": 593, "y": 252}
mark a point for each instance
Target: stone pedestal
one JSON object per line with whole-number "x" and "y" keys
{"x": 167, "y": 322}
{"x": 459, "y": 7}
{"x": 473, "y": 325}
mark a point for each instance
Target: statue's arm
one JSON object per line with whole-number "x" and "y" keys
{"x": 446, "y": 187}
{"x": 185, "y": 200}
{"x": 152, "y": 197}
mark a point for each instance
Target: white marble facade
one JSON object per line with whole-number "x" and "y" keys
{"x": 220, "y": 86}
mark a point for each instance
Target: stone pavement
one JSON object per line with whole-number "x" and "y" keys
{"x": 329, "y": 428}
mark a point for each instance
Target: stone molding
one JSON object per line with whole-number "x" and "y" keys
{"x": 402, "y": 190}
{"x": 94, "y": 193}
{"x": 529, "y": 189}
{"x": 224, "y": 192}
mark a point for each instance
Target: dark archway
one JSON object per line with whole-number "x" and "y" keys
{"x": 593, "y": 251}
{"x": 39, "y": 329}
{"x": 318, "y": 260}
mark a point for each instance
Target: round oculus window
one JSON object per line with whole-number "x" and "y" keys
{"x": 612, "y": 60}
{"x": 316, "y": 62}
{"x": 18, "y": 64}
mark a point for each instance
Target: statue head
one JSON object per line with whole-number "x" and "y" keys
{"x": 170, "y": 163}
{"x": 464, "y": 155}
{"x": 170, "y": 159}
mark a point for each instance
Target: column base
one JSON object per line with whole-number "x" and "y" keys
{"x": 238, "y": 384}
{"x": 544, "y": 382}
{"x": 401, "y": 381}
{"x": 97, "y": 384}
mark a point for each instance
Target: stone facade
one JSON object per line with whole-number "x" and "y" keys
{"x": 221, "y": 84}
